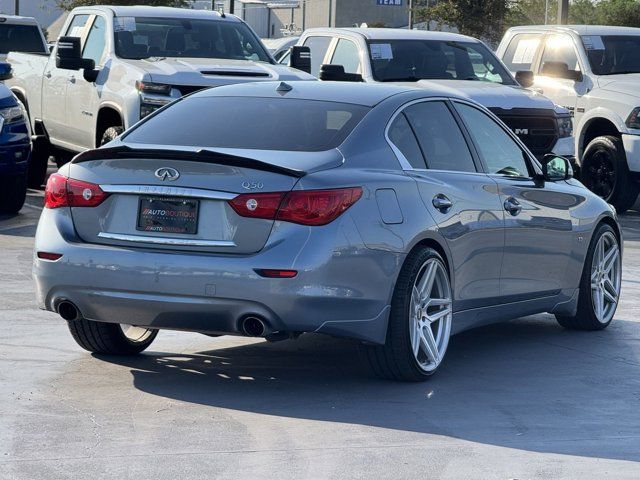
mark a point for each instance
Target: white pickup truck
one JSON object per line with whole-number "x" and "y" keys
{"x": 418, "y": 57}
{"x": 594, "y": 71}
{"x": 21, "y": 34}
{"x": 115, "y": 65}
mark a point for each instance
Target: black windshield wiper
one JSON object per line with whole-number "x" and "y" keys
{"x": 621, "y": 72}
{"x": 202, "y": 155}
{"x": 403, "y": 79}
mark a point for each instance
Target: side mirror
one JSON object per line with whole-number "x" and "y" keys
{"x": 335, "y": 73}
{"x": 560, "y": 70}
{"x": 300, "y": 58}
{"x": 69, "y": 55}
{"x": 5, "y": 71}
{"x": 525, "y": 78}
{"x": 555, "y": 168}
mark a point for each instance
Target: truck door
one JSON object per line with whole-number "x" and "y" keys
{"x": 84, "y": 97}
{"x": 559, "y": 49}
{"x": 54, "y": 89}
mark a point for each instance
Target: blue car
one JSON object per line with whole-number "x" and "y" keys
{"x": 15, "y": 148}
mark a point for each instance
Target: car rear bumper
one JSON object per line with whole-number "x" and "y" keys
{"x": 342, "y": 287}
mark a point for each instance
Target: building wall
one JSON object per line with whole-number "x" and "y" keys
{"x": 338, "y": 13}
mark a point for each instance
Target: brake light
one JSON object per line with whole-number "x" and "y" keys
{"x": 306, "y": 207}
{"x": 68, "y": 192}
{"x": 273, "y": 273}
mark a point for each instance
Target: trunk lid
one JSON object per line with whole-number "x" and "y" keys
{"x": 143, "y": 193}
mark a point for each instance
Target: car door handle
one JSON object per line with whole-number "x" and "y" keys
{"x": 442, "y": 203}
{"x": 48, "y": 74}
{"x": 512, "y": 206}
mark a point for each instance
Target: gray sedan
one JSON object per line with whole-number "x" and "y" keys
{"x": 390, "y": 215}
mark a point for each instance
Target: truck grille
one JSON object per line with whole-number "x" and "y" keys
{"x": 539, "y": 133}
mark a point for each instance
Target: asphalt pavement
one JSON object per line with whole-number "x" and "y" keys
{"x": 521, "y": 400}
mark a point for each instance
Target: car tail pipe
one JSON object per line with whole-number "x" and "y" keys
{"x": 68, "y": 311}
{"x": 254, "y": 326}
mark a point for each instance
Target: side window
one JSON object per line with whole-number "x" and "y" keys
{"x": 521, "y": 51}
{"x": 441, "y": 141}
{"x": 95, "y": 43}
{"x": 77, "y": 26}
{"x": 319, "y": 47}
{"x": 501, "y": 154}
{"x": 402, "y": 137}
{"x": 559, "y": 48}
{"x": 346, "y": 54}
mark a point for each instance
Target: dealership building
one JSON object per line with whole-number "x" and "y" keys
{"x": 278, "y": 18}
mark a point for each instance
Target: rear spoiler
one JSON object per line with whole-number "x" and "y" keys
{"x": 202, "y": 155}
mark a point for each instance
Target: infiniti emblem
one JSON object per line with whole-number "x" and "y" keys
{"x": 167, "y": 173}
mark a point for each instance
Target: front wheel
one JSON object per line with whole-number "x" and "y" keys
{"x": 600, "y": 284}
{"x": 419, "y": 322}
{"x": 111, "y": 133}
{"x": 13, "y": 192}
{"x": 111, "y": 338}
{"x": 605, "y": 172}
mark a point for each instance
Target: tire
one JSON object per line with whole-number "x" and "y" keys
{"x": 396, "y": 359}
{"x": 39, "y": 163}
{"x": 605, "y": 172}
{"x": 109, "y": 338}
{"x": 111, "y": 133}
{"x": 13, "y": 192}
{"x": 587, "y": 316}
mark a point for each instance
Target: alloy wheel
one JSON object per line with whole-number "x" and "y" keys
{"x": 601, "y": 174}
{"x": 136, "y": 334}
{"x": 430, "y": 314}
{"x": 605, "y": 277}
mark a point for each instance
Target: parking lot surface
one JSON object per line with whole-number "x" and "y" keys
{"x": 524, "y": 399}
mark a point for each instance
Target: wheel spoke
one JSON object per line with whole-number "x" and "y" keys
{"x": 415, "y": 337}
{"x": 609, "y": 291}
{"x": 611, "y": 258}
{"x": 599, "y": 297}
{"x": 426, "y": 282}
{"x": 428, "y": 343}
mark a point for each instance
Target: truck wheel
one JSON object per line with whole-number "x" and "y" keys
{"x": 599, "y": 285}
{"x": 39, "y": 163}
{"x": 111, "y": 133}
{"x": 419, "y": 321}
{"x": 111, "y": 338}
{"x": 605, "y": 172}
{"x": 13, "y": 192}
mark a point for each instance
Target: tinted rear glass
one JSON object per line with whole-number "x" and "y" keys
{"x": 249, "y": 122}
{"x": 20, "y": 38}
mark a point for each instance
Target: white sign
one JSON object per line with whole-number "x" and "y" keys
{"x": 381, "y": 51}
{"x": 593, "y": 42}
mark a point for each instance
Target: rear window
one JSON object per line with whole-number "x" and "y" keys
{"x": 20, "y": 38}
{"x": 253, "y": 123}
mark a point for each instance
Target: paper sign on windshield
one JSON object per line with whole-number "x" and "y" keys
{"x": 526, "y": 50}
{"x": 124, "y": 24}
{"x": 381, "y": 51}
{"x": 593, "y": 42}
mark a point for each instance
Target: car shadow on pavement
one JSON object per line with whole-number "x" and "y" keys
{"x": 526, "y": 384}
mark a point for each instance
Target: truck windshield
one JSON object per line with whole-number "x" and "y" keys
{"x": 612, "y": 54}
{"x": 413, "y": 60}
{"x": 250, "y": 122}
{"x": 20, "y": 38}
{"x": 144, "y": 37}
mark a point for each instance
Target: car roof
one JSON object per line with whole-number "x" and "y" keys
{"x": 162, "y": 12}
{"x": 580, "y": 29}
{"x": 366, "y": 94}
{"x": 17, "y": 20}
{"x": 397, "y": 34}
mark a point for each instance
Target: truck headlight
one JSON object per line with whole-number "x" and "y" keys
{"x": 153, "y": 96}
{"x": 148, "y": 105}
{"x": 632, "y": 120}
{"x": 151, "y": 87}
{"x": 565, "y": 126}
{"x": 11, "y": 115}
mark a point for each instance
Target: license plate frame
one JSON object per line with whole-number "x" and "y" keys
{"x": 171, "y": 215}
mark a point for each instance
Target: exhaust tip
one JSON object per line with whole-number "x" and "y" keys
{"x": 254, "y": 326}
{"x": 68, "y": 311}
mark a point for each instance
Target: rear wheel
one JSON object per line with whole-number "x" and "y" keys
{"x": 111, "y": 133}
{"x": 419, "y": 322}
{"x": 111, "y": 338}
{"x": 13, "y": 191}
{"x": 605, "y": 172}
{"x": 599, "y": 285}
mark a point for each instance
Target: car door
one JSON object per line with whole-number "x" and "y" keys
{"x": 83, "y": 96}
{"x": 463, "y": 201}
{"x": 346, "y": 53}
{"x": 538, "y": 222}
{"x": 54, "y": 88}
{"x": 563, "y": 91}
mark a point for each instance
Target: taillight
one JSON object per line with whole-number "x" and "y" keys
{"x": 68, "y": 192}
{"x": 306, "y": 207}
